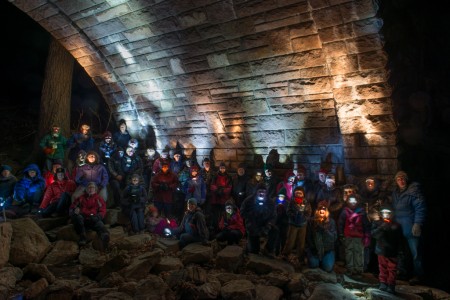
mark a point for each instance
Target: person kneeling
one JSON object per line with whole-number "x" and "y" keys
{"x": 231, "y": 225}
{"x": 87, "y": 212}
{"x": 192, "y": 228}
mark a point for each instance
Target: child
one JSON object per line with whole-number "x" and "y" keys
{"x": 299, "y": 211}
{"x": 354, "y": 228}
{"x": 388, "y": 235}
{"x": 133, "y": 203}
{"x": 156, "y": 224}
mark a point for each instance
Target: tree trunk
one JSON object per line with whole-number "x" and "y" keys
{"x": 56, "y": 94}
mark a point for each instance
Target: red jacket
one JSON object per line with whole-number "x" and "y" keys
{"x": 221, "y": 186}
{"x": 54, "y": 191}
{"x": 163, "y": 186}
{"x": 235, "y": 222}
{"x": 90, "y": 205}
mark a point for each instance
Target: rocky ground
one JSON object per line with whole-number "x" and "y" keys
{"x": 40, "y": 259}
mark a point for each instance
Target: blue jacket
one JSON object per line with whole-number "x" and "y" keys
{"x": 27, "y": 186}
{"x": 409, "y": 207}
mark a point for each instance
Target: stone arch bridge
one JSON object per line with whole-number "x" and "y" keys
{"x": 239, "y": 78}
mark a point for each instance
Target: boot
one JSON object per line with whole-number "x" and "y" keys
{"x": 383, "y": 286}
{"x": 82, "y": 241}
{"x": 391, "y": 289}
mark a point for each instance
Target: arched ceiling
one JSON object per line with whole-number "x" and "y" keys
{"x": 238, "y": 77}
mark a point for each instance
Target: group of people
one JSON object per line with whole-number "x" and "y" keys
{"x": 317, "y": 221}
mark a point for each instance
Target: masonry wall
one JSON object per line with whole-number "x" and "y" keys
{"x": 237, "y": 79}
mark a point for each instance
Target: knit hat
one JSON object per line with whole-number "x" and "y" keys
{"x": 107, "y": 134}
{"x": 401, "y": 174}
{"x": 192, "y": 201}
{"x": 322, "y": 204}
{"x": 323, "y": 170}
{"x": 6, "y": 167}
{"x": 60, "y": 170}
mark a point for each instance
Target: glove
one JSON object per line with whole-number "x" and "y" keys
{"x": 164, "y": 187}
{"x": 416, "y": 230}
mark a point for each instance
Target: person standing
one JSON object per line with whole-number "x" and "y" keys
{"x": 410, "y": 211}
{"x": 122, "y": 137}
{"x": 54, "y": 145}
{"x": 134, "y": 198}
{"x": 81, "y": 140}
{"x": 259, "y": 214}
{"x": 164, "y": 184}
{"x": 388, "y": 234}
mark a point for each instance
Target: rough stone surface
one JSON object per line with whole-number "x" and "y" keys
{"x": 28, "y": 244}
{"x": 5, "y": 242}
{"x": 191, "y": 69}
{"x": 196, "y": 253}
{"x": 230, "y": 258}
{"x": 62, "y": 251}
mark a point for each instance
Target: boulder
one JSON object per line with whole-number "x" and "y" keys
{"x": 62, "y": 252}
{"x": 238, "y": 289}
{"x": 167, "y": 263}
{"x": 264, "y": 292}
{"x": 6, "y": 232}
{"x": 331, "y": 291}
{"x": 28, "y": 244}
{"x": 230, "y": 258}
{"x": 140, "y": 266}
{"x": 263, "y": 265}
{"x": 196, "y": 253}
{"x": 133, "y": 242}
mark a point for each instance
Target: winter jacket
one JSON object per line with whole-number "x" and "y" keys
{"x": 195, "y": 188}
{"x": 7, "y": 186}
{"x": 232, "y": 222}
{"x": 321, "y": 237}
{"x": 239, "y": 184}
{"x": 134, "y": 195}
{"x": 193, "y": 222}
{"x": 388, "y": 237}
{"x": 296, "y": 216}
{"x": 106, "y": 151}
{"x": 220, "y": 188}
{"x": 334, "y": 198}
{"x": 409, "y": 207}
{"x": 93, "y": 205}
{"x": 163, "y": 186}
{"x": 258, "y": 219}
{"x": 354, "y": 223}
{"x": 121, "y": 139}
{"x": 77, "y": 142}
{"x": 92, "y": 173}
{"x": 27, "y": 186}
{"x": 53, "y": 147}
{"x": 54, "y": 191}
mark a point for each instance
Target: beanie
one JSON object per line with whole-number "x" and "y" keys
{"x": 401, "y": 174}
{"x": 6, "y": 167}
{"x": 192, "y": 201}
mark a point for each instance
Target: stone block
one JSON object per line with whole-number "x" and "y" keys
{"x": 196, "y": 253}
{"x": 306, "y": 43}
{"x": 268, "y": 138}
{"x": 371, "y": 91}
{"x": 371, "y": 152}
{"x": 6, "y": 232}
{"x": 192, "y": 18}
{"x": 359, "y": 78}
{"x": 220, "y": 12}
{"x": 372, "y": 60}
{"x": 327, "y": 17}
{"x": 314, "y": 136}
{"x": 224, "y": 154}
{"x": 167, "y": 264}
{"x": 343, "y": 64}
{"x": 361, "y": 166}
{"x": 310, "y": 86}
{"x": 230, "y": 258}
{"x": 387, "y": 166}
{"x": 366, "y": 43}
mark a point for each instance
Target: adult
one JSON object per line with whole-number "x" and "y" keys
{"x": 410, "y": 210}
{"x": 239, "y": 184}
{"x": 259, "y": 214}
{"x": 88, "y": 212}
{"x": 254, "y": 182}
{"x": 81, "y": 140}
{"x": 231, "y": 225}
{"x": 220, "y": 192}
{"x": 57, "y": 196}
{"x": 193, "y": 227}
{"x": 122, "y": 137}
{"x": 7, "y": 183}
{"x": 53, "y": 145}
{"x": 320, "y": 239}
{"x": 92, "y": 171}
{"x": 28, "y": 190}
{"x": 163, "y": 186}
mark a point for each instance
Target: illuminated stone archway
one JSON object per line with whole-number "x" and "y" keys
{"x": 239, "y": 77}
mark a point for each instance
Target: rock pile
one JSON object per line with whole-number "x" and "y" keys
{"x": 40, "y": 259}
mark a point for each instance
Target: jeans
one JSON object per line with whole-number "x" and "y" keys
{"x": 326, "y": 264}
